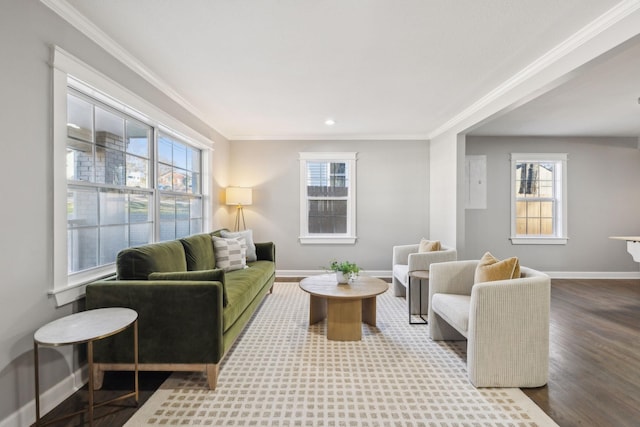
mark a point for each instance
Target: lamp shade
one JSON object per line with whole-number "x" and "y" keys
{"x": 238, "y": 196}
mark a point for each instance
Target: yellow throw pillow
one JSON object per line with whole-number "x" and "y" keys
{"x": 490, "y": 268}
{"x": 429, "y": 245}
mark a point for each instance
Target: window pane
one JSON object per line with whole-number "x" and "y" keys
{"x": 109, "y": 129}
{"x": 533, "y": 209}
{"x": 138, "y": 136}
{"x": 137, "y": 172}
{"x": 533, "y": 226}
{"x": 82, "y": 207}
{"x": 182, "y": 209}
{"x": 110, "y": 166}
{"x": 165, "y": 150}
{"x": 179, "y": 155}
{"x": 196, "y": 208}
{"x": 196, "y": 226}
{"x": 179, "y": 180}
{"x": 167, "y": 208}
{"x": 79, "y": 118}
{"x": 165, "y": 177}
{"x": 521, "y": 209}
{"x": 82, "y": 249}
{"x": 182, "y": 229}
{"x": 139, "y": 208}
{"x": 327, "y": 216}
{"x": 113, "y": 207}
{"x": 112, "y": 240}
{"x": 546, "y": 226}
{"x": 140, "y": 234}
{"x": 546, "y": 209}
{"x": 194, "y": 183}
{"x": 521, "y": 226}
{"x": 79, "y": 161}
{"x": 326, "y": 179}
{"x": 193, "y": 159}
{"x": 167, "y": 231}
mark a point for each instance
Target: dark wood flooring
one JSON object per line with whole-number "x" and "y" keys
{"x": 595, "y": 354}
{"x": 594, "y": 365}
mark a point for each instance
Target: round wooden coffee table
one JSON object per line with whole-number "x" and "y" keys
{"x": 346, "y": 306}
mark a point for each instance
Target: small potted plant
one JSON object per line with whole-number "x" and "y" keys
{"x": 345, "y": 271}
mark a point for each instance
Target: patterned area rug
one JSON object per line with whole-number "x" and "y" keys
{"x": 283, "y": 372}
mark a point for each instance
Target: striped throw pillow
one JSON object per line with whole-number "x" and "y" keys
{"x": 231, "y": 253}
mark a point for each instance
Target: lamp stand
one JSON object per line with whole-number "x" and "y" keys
{"x": 240, "y": 213}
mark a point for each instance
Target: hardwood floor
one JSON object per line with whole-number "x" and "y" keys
{"x": 595, "y": 354}
{"x": 594, "y": 364}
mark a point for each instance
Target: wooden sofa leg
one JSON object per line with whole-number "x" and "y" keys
{"x": 98, "y": 376}
{"x": 212, "y": 375}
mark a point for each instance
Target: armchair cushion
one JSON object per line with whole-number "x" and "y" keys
{"x": 429, "y": 245}
{"x": 490, "y": 269}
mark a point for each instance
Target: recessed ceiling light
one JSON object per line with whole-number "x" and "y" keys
{"x": 329, "y": 122}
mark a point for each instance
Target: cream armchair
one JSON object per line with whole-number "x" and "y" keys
{"x": 505, "y": 323}
{"x": 406, "y": 259}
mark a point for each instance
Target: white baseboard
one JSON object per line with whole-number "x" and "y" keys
{"x": 594, "y": 274}
{"x": 306, "y": 273}
{"x": 26, "y": 416}
{"x": 386, "y": 274}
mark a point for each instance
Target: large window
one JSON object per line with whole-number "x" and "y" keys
{"x": 327, "y": 197}
{"x": 124, "y": 174}
{"x": 538, "y": 194}
{"x": 109, "y": 197}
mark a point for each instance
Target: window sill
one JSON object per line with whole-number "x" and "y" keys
{"x": 539, "y": 240}
{"x": 327, "y": 240}
{"x": 74, "y": 289}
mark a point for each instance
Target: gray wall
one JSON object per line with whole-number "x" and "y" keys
{"x": 27, "y": 29}
{"x": 603, "y": 200}
{"x": 392, "y": 198}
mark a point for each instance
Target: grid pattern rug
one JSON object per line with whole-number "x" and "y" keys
{"x": 283, "y": 372}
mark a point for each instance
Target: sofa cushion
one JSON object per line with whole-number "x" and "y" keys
{"x": 247, "y": 235}
{"x": 242, "y": 287}
{"x": 138, "y": 262}
{"x": 231, "y": 254}
{"x": 199, "y": 252}
{"x": 215, "y": 275}
{"x": 429, "y": 245}
{"x": 454, "y": 309}
{"x": 490, "y": 269}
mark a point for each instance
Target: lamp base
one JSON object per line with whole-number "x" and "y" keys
{"x": 239, "y": 213}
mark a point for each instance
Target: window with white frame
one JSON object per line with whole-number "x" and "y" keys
{"x": 539, "y": 198}
{"x": 327, "y": 198}
{"x": 122, "y": 177}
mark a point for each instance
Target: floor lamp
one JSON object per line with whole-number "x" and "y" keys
{"x": 240, "y": 197}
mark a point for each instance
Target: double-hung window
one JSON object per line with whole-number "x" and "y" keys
{"x": 327, "y": 198}
{"x": 539, "y": 198}
{"x": 124, "y": 174}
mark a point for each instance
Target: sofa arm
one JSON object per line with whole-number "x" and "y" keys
{"x": 178, "y": 321}
{"x": 509, "y": 332}
{"x": 401, "y": 253}
{"x": 423, "y": 260}
{"x": 266, "y": 251}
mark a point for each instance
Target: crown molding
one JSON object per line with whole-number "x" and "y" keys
{"x": 333, "y": 137}
{"x": 89, "y": 29}
{"x": 596, "y": 27}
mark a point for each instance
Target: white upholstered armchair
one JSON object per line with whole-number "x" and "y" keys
{"x": 406, "y": 259}
{"x": 505, "y": 323}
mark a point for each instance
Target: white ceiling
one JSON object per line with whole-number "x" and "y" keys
{"x": 383, "y": 69}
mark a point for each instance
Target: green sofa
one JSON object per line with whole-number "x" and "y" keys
{"x": 189, "y": 312}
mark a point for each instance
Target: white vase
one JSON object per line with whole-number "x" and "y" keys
{"x": 342, "y": 278}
